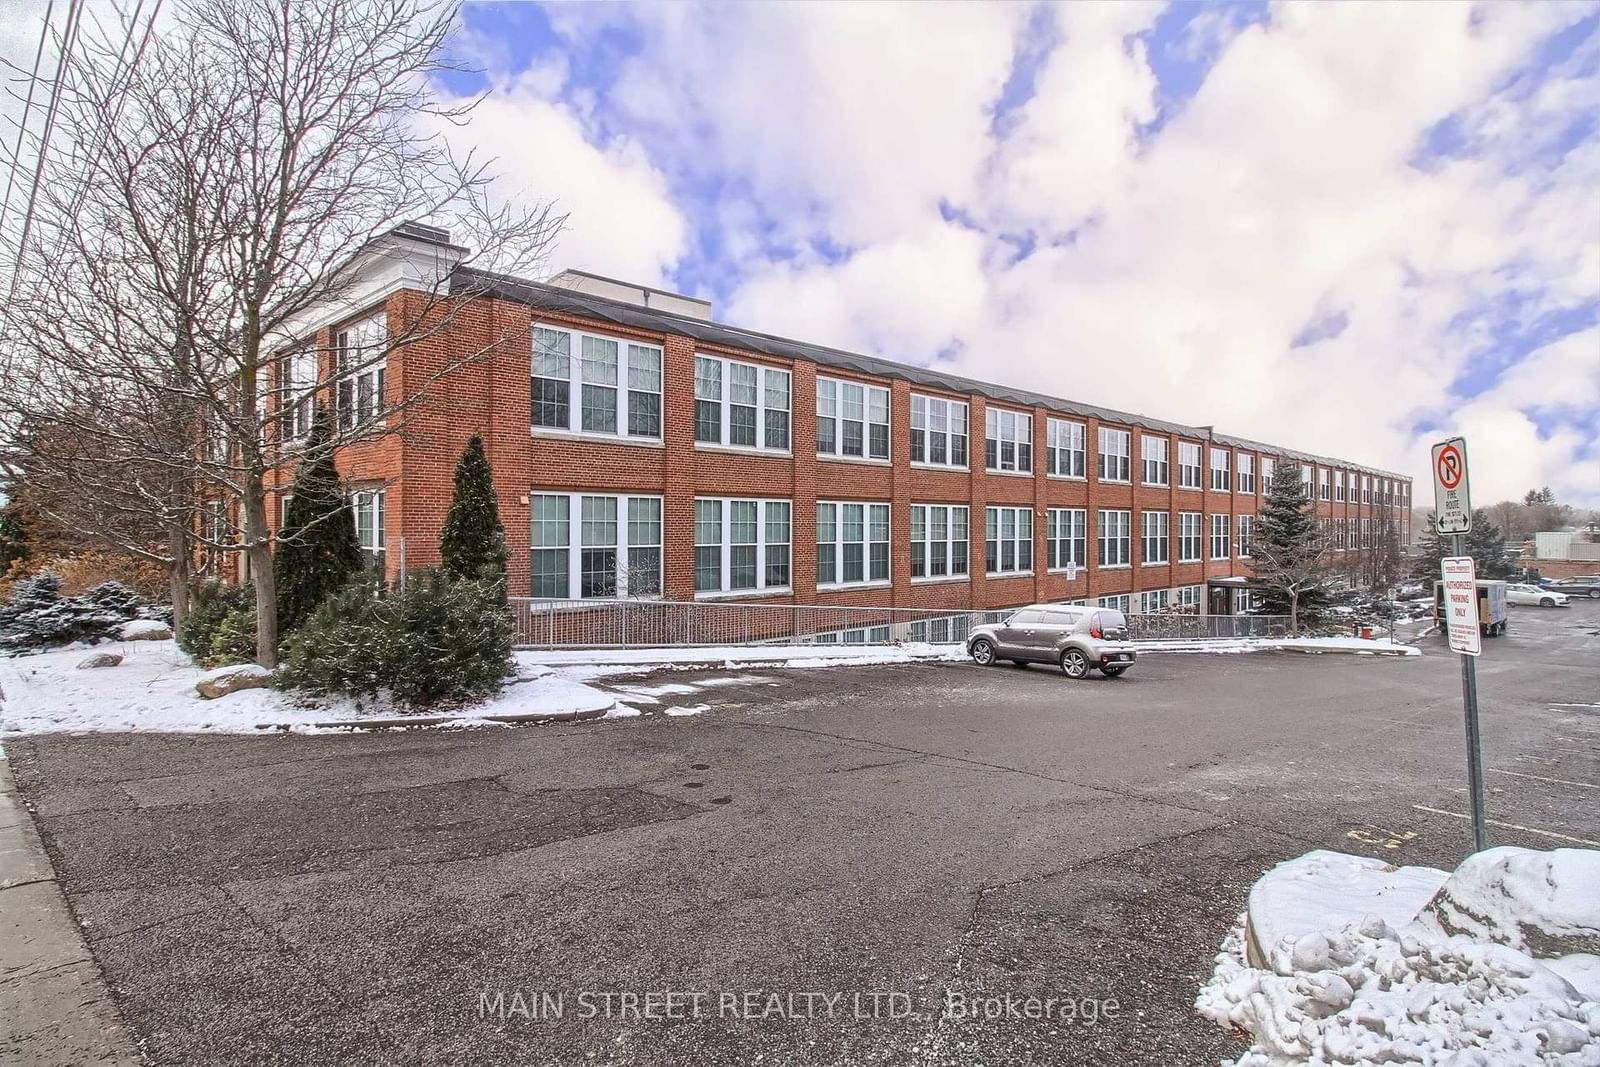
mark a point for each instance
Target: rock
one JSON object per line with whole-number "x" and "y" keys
{"x": 1541, "y": 903}
{"x": 225, "y": 680}
{"x": 99, "y": 659}
{"x": 145, "y": 630}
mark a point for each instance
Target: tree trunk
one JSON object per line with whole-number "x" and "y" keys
{"x": 261, "y": 569}
{"x": 178, "y": 575}
{"x": 1294, "y": 613}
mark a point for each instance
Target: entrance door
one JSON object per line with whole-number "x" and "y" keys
{"x": 1221, "y": 602}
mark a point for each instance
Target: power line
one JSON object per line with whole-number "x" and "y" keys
{"x": 68, "y": 38}
{"x": 22, "y": 127}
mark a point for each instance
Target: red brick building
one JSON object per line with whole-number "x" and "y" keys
{"x": 641, "y": 449}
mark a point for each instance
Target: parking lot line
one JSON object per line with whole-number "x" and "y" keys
{"x": 1542, "y": 778}
{"x": 1511, "y": 826}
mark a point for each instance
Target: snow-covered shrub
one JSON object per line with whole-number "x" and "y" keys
{"x": 439, "y": 640}
{"x": 37, "y": 616}
{"x": 221, "y": 626}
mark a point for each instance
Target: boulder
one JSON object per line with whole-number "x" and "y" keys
{"x": 225, "y": 680}
{"x": 145, "y": 630}
{"x": 99, "y": 659}
{"x": 1542, "y": 903}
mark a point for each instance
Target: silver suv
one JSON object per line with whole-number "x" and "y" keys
{"x": 1078, "y": 639}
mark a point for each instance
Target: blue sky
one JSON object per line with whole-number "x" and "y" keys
{"x": 1343, "y": 227}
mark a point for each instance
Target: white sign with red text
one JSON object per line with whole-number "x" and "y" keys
{"x": 1461, "y": 604}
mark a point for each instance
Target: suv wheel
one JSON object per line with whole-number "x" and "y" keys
{"x": 1594, "y": 594}
{"x": 1547, "y": 603}
{"x": 983, "y": 652}
{"x": 1074, "y": 664}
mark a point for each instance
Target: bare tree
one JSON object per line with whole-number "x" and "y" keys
{"x": 211, "y": 208}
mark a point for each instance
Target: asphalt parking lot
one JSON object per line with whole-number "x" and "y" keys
{"x": 892, "y": 838}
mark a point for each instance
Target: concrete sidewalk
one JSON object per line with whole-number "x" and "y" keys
{"x": 54, "y": 1006}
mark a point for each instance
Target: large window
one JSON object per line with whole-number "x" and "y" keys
{"x": 1008, "y": 440}
{"x": 368, "y": 505}
{"x": 1152, "y": 601}
{"x": 1219, "y": 536}
{"x": 1339, "y": 486}
{"x": 1220, "y": 481}
{"x": 852, "y": 420}
{"x": 1157, "y": 537}
{"x": 1188, "y": 465}
{"x": 1116, "y": 548}
{"x": 361, "y": 352}
{"x": 299, "y": 372}
{"x": 1324, "y": 478}
{"x": 740, "y": 405}
{"x": 938, "y": 541}
{"x": 1247, "y": 533}
{"x": 938, "y": 431}
{"x": 1153, "y": 450}
{"x": 741, "y": 545}
{"x": 1189, "y": 537}
{"x": 1116, "y": 603}
{"x": 1246, "y": 467}
{"x": 586, "y": 383}
{"x": 1115, "y": 446}
{"x": 1067, "y": 543}
{"x": 1267, "y": 465}
{"x": 1366, "y": 489}
{"x": 595, "y": 546}
{"x": 1008, "y": 540}
{"x": 852, "y": 543}
{"x": 1186, "y": 599}
{"x": 1064, "y": 448}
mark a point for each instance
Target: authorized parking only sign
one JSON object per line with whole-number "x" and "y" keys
{"x": 1452, "y": 503}
{"x": 1461, "y": 604}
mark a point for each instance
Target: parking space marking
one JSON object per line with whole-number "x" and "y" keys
{"x": 1542, "y": 778}
{"x": 1511, "y": 826}
{"x": 1553, "y": 704}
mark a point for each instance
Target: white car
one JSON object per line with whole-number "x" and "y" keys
{"x": 1532, "y": 594}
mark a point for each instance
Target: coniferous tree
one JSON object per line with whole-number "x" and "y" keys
{"x": 474, "y": 541}
{"x": 317, "y": 547}
{"x": 1290, "y": 551}
{"x": 13, "y": 537}
{"x": 1485, "y": 544}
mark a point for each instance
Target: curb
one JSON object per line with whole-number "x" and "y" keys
{"x": 401, "y": 722}
{"x": 1331, "y": 650}
{"x": 54, "y": 1004}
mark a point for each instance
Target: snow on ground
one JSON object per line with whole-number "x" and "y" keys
{"x": 153, "y": 689}
{"x": 587, "y": 663}
{"x": 1359, "y": 645}
{"x": 1348, "y": 977}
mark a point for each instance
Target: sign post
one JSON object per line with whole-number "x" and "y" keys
{"x": 1453, "y": 515}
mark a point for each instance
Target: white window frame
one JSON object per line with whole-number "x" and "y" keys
{"x": 870, "y": 510}
{"x": 1118, "y": 602}
{"x": 1153, "y": 451}
{"x": 1114, "y": 537}
{"x": 1066, "y": 539}
{"x": 1221, "y": 473}
{"x": 831, "y": 392}
{"x": 765, "y": 508}
{"x": 359, "y": 394}
{"x": 374, "y": 502}
{"x": 1338, "y": 487}
{"x": 1221, "y": 536}
{"x": 1241, "y": 601}
{"x": 1066, "y": 449}
{"x": 923, "y": 516}
{"x": 1191, "y": 532}
{"x": 1324, "y": 484}
{"x": 1185, "y": 597}
{"x": 1246, "y": 525}
{"x": 936, "y": 418}
{"x": 1114, "y": 457}
{"x": 1155, "y": 531}
{"x": 1020, "y": 540}
{"x": 1269, "y": 466}
{"x": 1191, "y": 475}
{"x": 624, "y": 546}
{"x": 1153, "y": 601}
{"x": 301, "y": 370}
{"x": 1306, "y": 486}
{"x": 632, "y": 376}
{"x": 1244, "y": 469}
{"x": 1007, "y": 426}
{"x": 770, "y": 415}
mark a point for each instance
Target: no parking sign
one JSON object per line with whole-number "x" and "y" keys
{"x": 1452, "y": 503}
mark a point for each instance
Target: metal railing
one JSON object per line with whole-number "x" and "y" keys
{"x": 655, "y": 623}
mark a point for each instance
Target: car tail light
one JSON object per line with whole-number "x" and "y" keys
{"x": 1097, "y": 634}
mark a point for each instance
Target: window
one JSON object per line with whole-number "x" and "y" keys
{"x": 1247, "y": 533}
{"x": 1067, "y": 538}
{"x": 852, "y": 420}
{"x": 1219, "y": 537}
{"x": 1189, "y": 537}
{"x": 1157, "y": 533}
{"x": 1186, "y": 598}
{"x": 1008, "y": 440}
{"x": 741, "y": 545}
{"x": 1219, "y": 470}
{"x": 1152, "y": 601}
{"x": 1064, "y": 448}
{"x": 1241, "y": 601}
{"x": 1115, "y": 539}
{"x": 617, "y": 541}
{"x": 1188, "y": 465}
{"x": 1267, "y": 465}
{"x": 1153, "y": 450}
{"x": 938, "y": 431}
{"x": 938, "y": 541}
{"x": 740, "y": 405}
{"x": 1246, "y": 469}
{"x": 299, "y": 393}
{"x": 362, "y": 357}
{"x": 618, "y": 384}
{"x": 1008, "y": 540}
{"x": 1116, "y": 603}
{"x": 368, "y": 505}
{"x": 1305, "y": 480}
{"x": 1338, "y": 486}
{"x": 1323, "y": 478}
{"x": 1115, "y": 446}
{"x": 852, "y": 543}
{"x": 1366, "y": 489}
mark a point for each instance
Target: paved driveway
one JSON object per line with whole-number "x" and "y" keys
{"x": 898, "y": 836}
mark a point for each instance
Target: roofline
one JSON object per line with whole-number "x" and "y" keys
{"x": 558, "y": 298}
{"x": 628, "y": 285}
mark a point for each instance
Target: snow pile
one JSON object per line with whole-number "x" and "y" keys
{"x": 1377, "y": 988}
{"x": 1358, "y": 645}
{"x": 590, "y": 663}
{"x": 1542, "y": 903}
